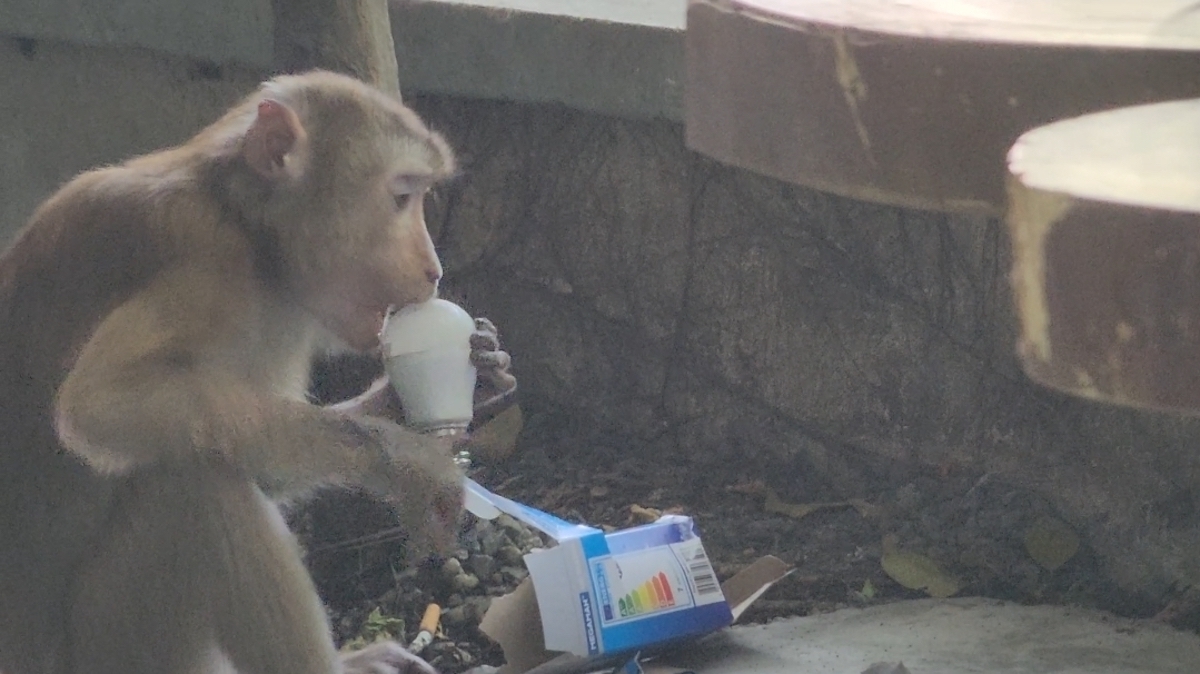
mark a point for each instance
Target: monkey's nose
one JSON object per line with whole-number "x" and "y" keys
{"x": 434, "y": 275}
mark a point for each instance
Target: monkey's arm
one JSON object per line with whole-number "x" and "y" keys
{"x": 165, "y": 378}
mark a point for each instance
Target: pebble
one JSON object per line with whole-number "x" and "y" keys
{"x": 482, "y": 565}
{"x": 452, "y": 568}
{"x": 489, "y": 563}
{"x": 514, "y": 574}
{"x": 455, "y": 616}
{"x": 506, "y": 521}
{"x": 465, "y": 582}
{"x": 509, "y": 554}
{"x": 491, "y": 542}
{"x": 476, "y": 607}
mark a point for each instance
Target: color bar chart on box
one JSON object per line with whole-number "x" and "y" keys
{"x": 652, "y": 595}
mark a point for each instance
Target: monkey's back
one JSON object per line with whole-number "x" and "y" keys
{"x": 90, "y": 247}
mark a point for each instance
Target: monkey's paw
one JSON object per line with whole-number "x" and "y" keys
{"x": 384, "y": 657}
{"x": 497, "y": 386}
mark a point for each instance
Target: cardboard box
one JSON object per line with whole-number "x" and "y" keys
{"x": 603, "y": 598}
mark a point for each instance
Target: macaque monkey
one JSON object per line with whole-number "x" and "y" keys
{"x": 158, "y": 320}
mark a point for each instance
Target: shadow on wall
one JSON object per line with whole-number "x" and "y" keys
{"x": 713, "y": 315}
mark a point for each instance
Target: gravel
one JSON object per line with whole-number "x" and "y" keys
{"x": 487, "y": 564}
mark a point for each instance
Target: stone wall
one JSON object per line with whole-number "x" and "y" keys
{"x": 713, "y": 315}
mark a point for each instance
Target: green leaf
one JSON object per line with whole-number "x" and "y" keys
{"x": 380, "y": 625}
{"x": 1051, "y": 543}
{"x": 917, "y": 572}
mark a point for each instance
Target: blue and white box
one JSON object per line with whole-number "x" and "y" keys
{"x": 603, "y": 594}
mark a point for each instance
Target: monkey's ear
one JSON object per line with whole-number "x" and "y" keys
{"x": 272, "y": 142}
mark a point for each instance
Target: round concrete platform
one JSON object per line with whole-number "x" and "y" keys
{"x": 952, "y": 636}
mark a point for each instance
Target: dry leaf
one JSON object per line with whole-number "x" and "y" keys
{"x": 916, "y": 571}
{"x": 644, "y": 514}
{"x": 865, "y": 510}
{"x": 1050, "y": 542}
{"x": 753, "y": 487}
{"x": 774, "y": 504}
{"x": 496, "y": 440}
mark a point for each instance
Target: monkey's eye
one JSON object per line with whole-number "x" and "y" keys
{"x": 405, "y": 188}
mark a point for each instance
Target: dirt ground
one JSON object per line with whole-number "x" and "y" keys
{"x": 974, "y": 528}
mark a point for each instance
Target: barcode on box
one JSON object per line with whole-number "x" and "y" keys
{"x": 703, "y": 578}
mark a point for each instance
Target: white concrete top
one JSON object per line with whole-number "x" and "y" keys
{"x": 951, "y": 636}
{"x": 654, "y": 13}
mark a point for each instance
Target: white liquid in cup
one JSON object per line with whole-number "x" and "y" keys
{"x": 428, "y": 361}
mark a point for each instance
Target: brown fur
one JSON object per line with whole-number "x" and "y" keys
{"x": 157, "y": 323}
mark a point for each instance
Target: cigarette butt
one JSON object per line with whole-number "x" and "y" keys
{"x": 421, "y": 642}
{"x": 429, "y": 625}
{"x": 429, "y": 621}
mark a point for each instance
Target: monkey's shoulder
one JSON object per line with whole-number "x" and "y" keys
{"x": 138, "y": 214}
{"x": 114, "y": 232}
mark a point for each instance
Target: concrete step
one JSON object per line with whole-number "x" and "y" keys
{"x": 952, "y": 636}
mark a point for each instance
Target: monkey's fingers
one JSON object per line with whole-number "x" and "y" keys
{"x": 499, "y": 381}
{"x": 385, "y": 657}
{"x": 496, "y": 383}
{"x": 491, "y": 360}
{"x": 484, "y": 341}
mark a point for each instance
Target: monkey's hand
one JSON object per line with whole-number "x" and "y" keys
{"x": 497, "y": 387}
{"x": 384, "y": 657}
{"x": 419, "y": 479}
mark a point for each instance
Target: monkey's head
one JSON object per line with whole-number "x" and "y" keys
{"x": 347, "y": 169}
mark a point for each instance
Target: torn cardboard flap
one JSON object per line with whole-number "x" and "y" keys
{"x": 595, "y": 600}
{"x": 745, "y": 587}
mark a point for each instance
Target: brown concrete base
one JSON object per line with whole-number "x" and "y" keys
{"x": 1106, "y": 219}
{"x": 917, "y": 103}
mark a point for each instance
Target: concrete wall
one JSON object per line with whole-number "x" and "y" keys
{"x": 220, "y": 31}
{"x": 85, "y": 83}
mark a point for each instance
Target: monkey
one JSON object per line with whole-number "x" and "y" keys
{"x": 158, "y": 322}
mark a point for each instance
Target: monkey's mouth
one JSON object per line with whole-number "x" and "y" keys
{"x": 355, "y": 322}
{"x": 375, "y": 315}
